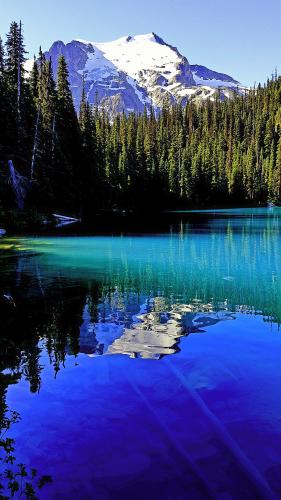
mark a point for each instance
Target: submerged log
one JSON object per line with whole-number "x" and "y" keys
{"x": 64, "y": 220}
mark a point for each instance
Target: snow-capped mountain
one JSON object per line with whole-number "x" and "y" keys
{"x": 137, "y": 71}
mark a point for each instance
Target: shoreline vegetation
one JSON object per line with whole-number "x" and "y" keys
{"x": 123, "y": 222}
{"x": 107, "y": 221}
{"x": 220, "y": 153}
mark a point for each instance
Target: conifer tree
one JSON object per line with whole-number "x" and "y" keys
{"x": 68, "y": 151}
{"x": 15, "y": 73}
{"x": 3, "y": 102}
{"x": 90, "y": 195}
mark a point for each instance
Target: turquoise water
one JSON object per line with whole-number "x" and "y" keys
{"x": 148, "y": 364}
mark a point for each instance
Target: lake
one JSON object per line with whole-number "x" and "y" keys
{"x": 147, "y": 365}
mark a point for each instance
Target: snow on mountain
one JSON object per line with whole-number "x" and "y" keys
{"x": 142, "y": 55}
{"x": 135, "y": 72}
{"x": 205, "y": 76}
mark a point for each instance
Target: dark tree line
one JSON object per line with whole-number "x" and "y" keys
{"x": 214, "y": 153}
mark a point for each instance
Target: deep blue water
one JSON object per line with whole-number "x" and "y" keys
{"x": 148, "y": 366}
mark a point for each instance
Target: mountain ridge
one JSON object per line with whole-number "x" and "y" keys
{"x": 137, "y": 71}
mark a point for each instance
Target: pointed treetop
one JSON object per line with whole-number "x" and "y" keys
{"x": 1, "y": 56}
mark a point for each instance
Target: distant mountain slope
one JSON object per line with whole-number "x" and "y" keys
{"x": 137, "y": 71}
{"x": 206, "y": 76}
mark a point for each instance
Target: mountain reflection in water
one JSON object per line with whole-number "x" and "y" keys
{"x": 152, "y": 333}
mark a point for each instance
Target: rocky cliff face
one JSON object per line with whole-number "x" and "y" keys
{"x": 132, "y": 73}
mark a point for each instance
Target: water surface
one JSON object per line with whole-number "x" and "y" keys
{"x": 147, "y": 365}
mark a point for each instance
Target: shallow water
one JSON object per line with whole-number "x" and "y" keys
{"x": 148, "y": 365}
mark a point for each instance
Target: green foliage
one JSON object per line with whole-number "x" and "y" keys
{"x": 16, "y": 481}
{"x": 205, "y": 154}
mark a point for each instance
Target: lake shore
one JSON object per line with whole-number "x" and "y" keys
{"x": 124, "y": 220}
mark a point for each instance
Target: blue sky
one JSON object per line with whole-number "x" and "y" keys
{"x": 240, "y": 37}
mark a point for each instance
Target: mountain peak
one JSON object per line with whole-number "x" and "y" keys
{"x": 147, "y": 37}
{"x": 136, "y": 71}
{"x": 58, "y": 45}
{"x": 158, "y": 39}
